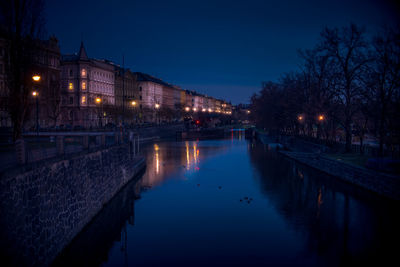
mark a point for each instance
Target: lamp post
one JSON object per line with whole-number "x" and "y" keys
{"x": 98, "y": 101}
{"x": 35, "y": 94}
{"x": 321, "y": 119}
{"x": 36, "y": 78}
{"x": 133, "y": 104}
{"x": 157, "y": 107}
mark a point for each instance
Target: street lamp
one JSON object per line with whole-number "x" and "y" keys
{"x": 98, "y": 101}
{"x": 35, "y": 94}
{"x": 133, "y": 104}
{"x": 321, "y": 117}
{"x": 187, "y": 109}
{"x": 157, "y": 107}
{"x": 300, "y": 118}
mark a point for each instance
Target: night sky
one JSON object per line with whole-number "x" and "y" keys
{"x": 220, "y": 48}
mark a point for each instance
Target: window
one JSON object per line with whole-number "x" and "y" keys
{"x": 71, "y": 86}
{"x": 71, "y": 100}
{"x": 140, "y": 88}
{"x": 83, "y": 85}
{"x": 71, "y": 73}
{"x": 83, "y": 73}
{"x": 83, "y": 99}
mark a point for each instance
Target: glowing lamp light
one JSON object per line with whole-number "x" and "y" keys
{"x": 300, "y": 118}
{"x": 194, "y": 109}
{"x": 157, "y": 106}
{"x": 204, "y": 110}
{"x": 133, "y": 103}
{"x": 36, "y": 78}
{"x": 209, "y": 110}
{"x": 34, "y": 93}
{"x": 98, "y": 100}
{"x": 248, "y": 112}
{"x": 321, "y": 117}
{"x": 187, "y": 109}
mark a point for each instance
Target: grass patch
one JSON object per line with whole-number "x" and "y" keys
{"x": 355, "y": 159}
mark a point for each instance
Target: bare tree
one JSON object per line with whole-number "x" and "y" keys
{"x": 318, "y": 86}
{"x": 384, "y": 78}
{"x": 349, "y": 50}
{"x": 22, "y": 22}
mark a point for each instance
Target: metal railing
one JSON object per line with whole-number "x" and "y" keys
{"x": 48, "y": 145}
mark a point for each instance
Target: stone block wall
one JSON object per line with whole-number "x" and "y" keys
{"x": 43, "y": 208}
{"x": 380, "y": 183}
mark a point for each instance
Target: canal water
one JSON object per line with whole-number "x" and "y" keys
{"x": 236, "y": 202}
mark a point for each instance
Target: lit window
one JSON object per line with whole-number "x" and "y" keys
{"x": 83, "y": 85}
{"x": 83, "y": 99}
{"x": 83, "y": 73}
{"x": 71, "y": 86}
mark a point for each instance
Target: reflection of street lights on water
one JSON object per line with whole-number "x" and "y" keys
{"x": 35, "y": 94}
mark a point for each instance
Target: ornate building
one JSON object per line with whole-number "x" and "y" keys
{"x": 87, "y": 89}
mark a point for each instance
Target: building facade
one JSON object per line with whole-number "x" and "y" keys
{"x": 128, "y": 104}
{"x": 87, "y": 90}
{"x": 45, "y": 63}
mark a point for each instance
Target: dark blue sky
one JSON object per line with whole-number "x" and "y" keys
{"x": 220, "y": 48}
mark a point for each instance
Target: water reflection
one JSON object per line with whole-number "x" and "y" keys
{"x": 193, "y": 216}
{"x": 341, "y": 224}
{"x": 168, "y": 158}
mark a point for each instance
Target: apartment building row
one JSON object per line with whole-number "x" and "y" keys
{"x": 77, "y": 90}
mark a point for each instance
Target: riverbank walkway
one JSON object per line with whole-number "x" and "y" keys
{"x": 384, "y": 184}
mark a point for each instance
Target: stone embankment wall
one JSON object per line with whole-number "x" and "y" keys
{"x": 43, "y": 207}
{"x": 380, "y": 183}
{"x": 383, "y": 184}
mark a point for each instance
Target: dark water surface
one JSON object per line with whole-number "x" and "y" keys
{"x": 192, "y": 207}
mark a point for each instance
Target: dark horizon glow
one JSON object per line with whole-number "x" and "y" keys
{"x": 221, "y": 48}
